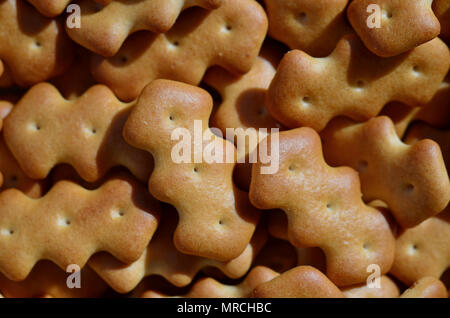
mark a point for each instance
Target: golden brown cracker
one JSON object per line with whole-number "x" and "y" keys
{"x": 353, "y": 82}
{"x": 229, "y": 36}
{"x": 313, "y": 26}
{"x": 324, "y": 208}
{"x": 412, "y": 180}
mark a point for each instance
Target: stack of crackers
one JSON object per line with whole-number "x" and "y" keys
{"x": 118, "y": 175}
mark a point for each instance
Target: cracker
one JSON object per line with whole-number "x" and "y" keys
{"x": 34, "y": 47}
{"x": 324, "y": 208}
{"x": 50, "y": 8}
{"x": 216, "y": 220}
{"x": 387, "y": 289}
{"x": 314, "y": 26}
{"x": 299, "y": 282}
{"x": 243, "y": 97}
{"x": 418, "y": 185}
{"x": 46, "y": 279}
{"x": 435, "y": 113}
{"x": 211, "y": 288}
{"x": 85, "y": 133}
{"x": 353, "y": 82}
{"x": 423, "y": 250}
{"x": 104, "y": 29}
{"x": 120, "y": 217}
{"x": 427, "y": 287}
{"x": 243, "y": 104}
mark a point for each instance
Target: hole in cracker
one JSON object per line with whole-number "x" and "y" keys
{"x": 117, "y": 213}
{"x": 362, "y": 165}
{"x": 292, "y": 167}
{"x": 171, "y": 118}
{"x": 366, "y": 246}
{"x": 329, "y": 206}
{"x": 7, "y": 232}
{"x": 195, "y": 169}
{"x": 37, "y": 44}
{"x": 306, "y": 101}
{"x": 301, "y": 17}
{"x": 408, "y": 188}
{"x": 416, "y": 70}
{"x": 227, "y": 28}
{"x": 221, "y": 222}
{"x": 387, "y": 14}
{"x": 94, "y": 131}
{"x": 36, "y": 127}
{"x": 176, "y": 43}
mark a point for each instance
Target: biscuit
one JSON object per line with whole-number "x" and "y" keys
{"x": 435, "y": 113}
{"x": 210, "y": 288}
{"x": 50, "y": 8}
{"x": 418, "y": 186}
{"x": 388, "y": 289}
{"x": 309, "y": 91}
{"x": 120, "y": 217}
{"x": 441, "y": 9}
{"x": 230, "y": 36}
{"x": 426, "y": 287}
{"x": 324, "y": 208}
{"x": 34, "y": 47}
{"x": 104, "y": 29}
{"x": 216, "y": 220}
{"x": 313, "y": 26}
{"x": 162, "y": 258}
{"x": 47, "y": 279}
{"x": 299, "y": 282}
{"x": 403, "y": 25}
{"x": 423, "y": 250}
{"x": 85, "y": 133}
